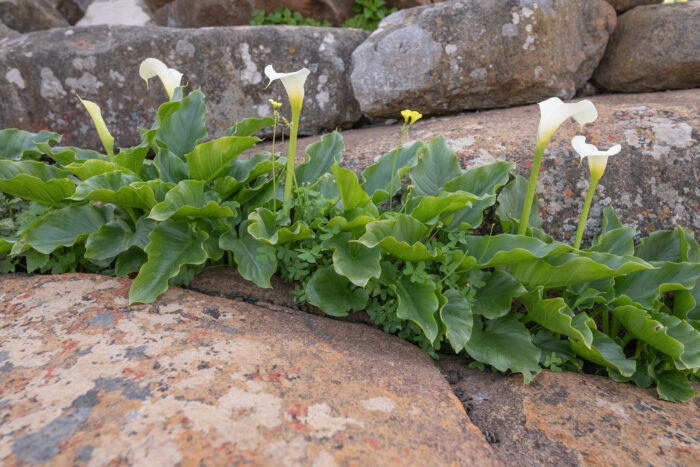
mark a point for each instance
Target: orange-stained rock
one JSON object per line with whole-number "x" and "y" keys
{"x": 572, "y": 419}
{"x": 196, "y": 380}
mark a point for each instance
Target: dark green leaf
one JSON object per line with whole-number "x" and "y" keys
{"x": 21, "y": 145}
{"x": 116, "y": 237}
{"x": 320, "y": 156}
{"x": 182, "y": 124}
{"x": 263, "y": 227}
{"x": 457, "y": 316}
{"x": 495, "y": 298}
{"x": 115, "y": 188}
{"x": 673, "y": 386}
{"x": 610, "y": 220}
{"x": 351, "y": 192}
{"x": 605, "y": 352}
{"x": 188, "y": 199}
{"x": 35, "y": 181}
{"x": 400, "y": 237}
{"x": 354, "y": 260}
{"x": 377, "y": 177}
{"x": 436, "y": 166}
{"x": 255, "y": 259}
{"x": 208, "y": 159}
{"x": 553, "y": 314}
{"x": 510, "y": 205}
{"x": 418, "y": 303}
{"x": 250, "y": 126}
{"x": 333, "y": 293}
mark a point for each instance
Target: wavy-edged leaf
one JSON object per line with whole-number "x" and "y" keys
{"x": 351, "y": 220}
{"x": 130, "y": 262}
{"x": 644, "y": 287}
{"x": 505, "y": 344}
{"x": 354, "y": 260}
{"x": 188, "y": 199}
{"x": 662, "y": 245}
{"x": 21, "y": 145}
{"x": 35, "y": 181}
{"x": 171, "y": 168}
{"x": 495, "y": 298}
{"x": 159, "y": 188}
{"x": 673, "y": 386}
{"x": 65, "y": 155}
{"x": 181, "y": 124}
{"x": 458, "y": 318}
{"x": 510, "y": 205}
{"x": 250, "y": 126}
{"x": 638, "y": 323}
{"x": 255, "y": 259}
{"x": 399, "y": 237}
{"x": 431, "y": 209}
{"x": 683, "y": 332}
{"x": 333, "y": 293}
{"x": 610, "y": 220}
{"x": 64, "y": 227}
{"x": 352, "y": 194}
{"x": 173, "y": 244}
{"x": 245, "y": 171}
{"x": 618, "y": 242}
{"x": 263, "y": 226}
{"x": 117, "y": 237}
{"x": 208, "y": 159}
{"x": 114, "y": 188}
{"x": 605, "y": 352}
{"x": 377, "y": 177}
{"x": 91, "y": 167}
{"x": 498, "y": 250}
{"x": 258, "y": 195}
{"x": 320, "y": 156}
{"x": 132, "y": 158}
{"x": 418, "y": 303}
{"x": 436, "y": 166}
{"x": 555, "y": 315}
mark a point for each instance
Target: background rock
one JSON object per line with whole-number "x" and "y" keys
{"x": 652, "y": 184}
{"x": 624, "y": 5}
{"x": 569, "y": 419}
{"x": 196, "y": 380}
{"x": 6, "y": 32}
{"x": 30, "y": 15}
{"x": 472, "y": 54}
{"x": 101, "y": 64}
{"x": 654, "y": 48}
{"x": 116, "y": 12}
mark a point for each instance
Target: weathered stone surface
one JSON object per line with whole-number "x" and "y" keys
{"x": 6, "y": 32}
{"x": 654, "y": 48}
{"x": 191, "y": 379}
{"x": 568, "y": 419}
{"x": 116, "y": 12}
{"x": 624, "y": 5}
{"x": 471, "y": 54}
{"x": 101, "y": 64}
{"x": 30, "y": 15}
{"x": 652, "y": 184}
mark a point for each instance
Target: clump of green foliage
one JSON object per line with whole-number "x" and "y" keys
{"x": 284, "y": 16}
{"x": 368, "y": 14}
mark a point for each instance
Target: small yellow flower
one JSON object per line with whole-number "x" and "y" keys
{"x": 275, "y": 104}
{"x": 411, "y": 116}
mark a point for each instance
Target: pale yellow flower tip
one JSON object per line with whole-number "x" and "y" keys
{"x": 102, "y": 131}
{"x": 597, "y": 159}
{"x": 275, "y": 104}
{"x": 170, "y": 77}
{"x": 293, "y": 84}
{"x": 554, "y": 112}
{"x": 411, "y": 116}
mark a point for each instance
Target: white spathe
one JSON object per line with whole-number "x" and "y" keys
{"x": 104, "y": 134}
{"x": 170, "y": 77}
{"x": 293, "y": 84}
{"x": 554, "y": 112}
{"x": 597, "y": 159}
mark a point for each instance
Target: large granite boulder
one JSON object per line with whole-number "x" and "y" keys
{"x": 624, "y": 5}
{"x": 86, "y": 379}
{"x": 101, "y": 63}
{"x": 472, "y": 54}
{"x": 569, "y": 419}
{"x": 116, "y": 12}
{"x": 30, "y": 15}
{"x": 654, "y": 48}
{"x": 652, "y": 184}
{"x": 7, "y": 33}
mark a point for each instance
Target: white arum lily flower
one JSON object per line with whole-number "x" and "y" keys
{"x": 293, "y": 84}
{"x": 170, "y": 77}
{"x": 554, "y": 112}
{"x": 104, "y": 134}
{"x": 597, "y": 160}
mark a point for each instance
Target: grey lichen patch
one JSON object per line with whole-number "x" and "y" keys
{"x": 51, "y": 87}
{"x": 250, "y": 73}
{"x": 185, "y": 48}
{"x": 87, "y": 83}
{"x": 14, "y": 76}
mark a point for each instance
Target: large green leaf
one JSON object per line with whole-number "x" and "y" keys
{"x": 683, "y": 332}
{"x": 673, "y": 386}
{"x": 457, "y": 316}
{"x": 250, "y": 126}
{"x": 132, "y": 158}
{"x": 35, "y": 181}
{"x": 320, "y": 156}
{"x": 65, "y": 155}
{"x": 92, "y": 167}
{"x": 159, "y": 188}
{"x": 172, "y": 245}
{"x": 64, "y": 227}
{"x": 351, "y": 192}
{"x": 498, "y": 250}
{"x": 115, "y": 188}
{"x": 377, "y": 177}
{"x": 555, "y": 315}
{"x": 610, "y": 220}
{"x": 208, "y": 159}
{"x": 181, "y": 124}
{"x": 505, "y": 344}
{"x": 333, "y": 293}
{"x": 117, "y": 237}
{"x": 354, "y": 260}
{"x": 188, "y": 199}
{"x": 399, "y": 237}
{"x": 644, "y": 287}
{"x": 255, "y": 259}
{"x": 605, "y": 352}
{"x": 638, "y": 323}
{"x": 418, "y": 303}
{"x": 618, "y": 242}
{"x": 21, "y": 145}
{"x": 245, "y": 171}
{"x": 431, "y": 209}
{"x": 510, "y": 205}
{"x": 264, "y": 227}
{"x": 171, "y": 168}
{"x": 436, "y": 166}
{"x": 495, "y": 298}
{"x": 130, "y": 262}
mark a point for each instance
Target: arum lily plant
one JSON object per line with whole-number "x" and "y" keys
{"x": 170, "y": 77}
{"x": 104, "y": 134}
{"x": 410, "y": 117}
{"x": 553, "y": 112}
{"x": 597, "y": 160}
{"x": 294, "y": 85}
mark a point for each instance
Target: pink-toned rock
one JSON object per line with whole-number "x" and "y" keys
{"x": 573, "y": 419}
{"x": 86, "y": 379}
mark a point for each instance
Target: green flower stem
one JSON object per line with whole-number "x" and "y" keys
{"x": 531, "y": 185}
{"x": 291, "y": 156}
{"x": 393, "y": 167}
{"x": 606, "y": 324}
{"x": 130, "y": 211}
{"x": 584, "y": 213}
{"x": 274, "y": 179}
